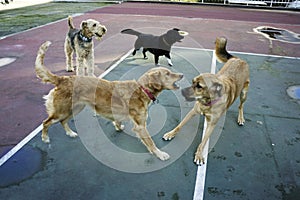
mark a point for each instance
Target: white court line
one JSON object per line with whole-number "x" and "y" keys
{"x": 16, "y": 148}
{"x": 201, "y": 170}
{"x": 116, "y": 64}
{"x": 243, "y": 53}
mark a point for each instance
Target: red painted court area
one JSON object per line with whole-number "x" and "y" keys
{"x": 205, "y": 12}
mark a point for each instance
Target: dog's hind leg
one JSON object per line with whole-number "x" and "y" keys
{"x": 46, "y": 124}
{"x": 243, "y": 97}
{"x": 75, "y": 110}
{"x": 134, "y": 52}
{"x": 68, "y": 130}
{"x": 137, "y": 47}
{"x": 144, "y": 53}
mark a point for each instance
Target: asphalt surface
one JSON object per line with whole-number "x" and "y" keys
{"x": 258, "y": 161}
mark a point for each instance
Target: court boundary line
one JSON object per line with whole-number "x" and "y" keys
{"x": 201, "y": 169}
{"x": 243, "y": 53}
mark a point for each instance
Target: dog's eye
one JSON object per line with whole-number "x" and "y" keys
{"x": 199, "y": 86}
{"x": 168, "y": 73}
{"x": 94, "y": 25}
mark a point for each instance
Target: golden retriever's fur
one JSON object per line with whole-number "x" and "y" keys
{"x": 214, "y": 93}
{"x": 114, "y": 100}
{"x": 81, "y": 42}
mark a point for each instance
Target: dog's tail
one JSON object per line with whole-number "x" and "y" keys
{"x": 220, "y": 50}
{"x": 131, "y": 32}
{"x": 41, "y": 71}
{"x": 70, "y": 22}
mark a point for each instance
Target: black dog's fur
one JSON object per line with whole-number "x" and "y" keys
{"x": 157, "y": 45}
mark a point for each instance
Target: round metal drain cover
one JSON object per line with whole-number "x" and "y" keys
{"x": 294, "y": 92}
{"x": 279, "y": 34}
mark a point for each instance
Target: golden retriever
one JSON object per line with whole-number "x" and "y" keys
{"x": 114, "y": 100}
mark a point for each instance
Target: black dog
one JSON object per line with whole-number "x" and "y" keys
{"x": 157, "y": 45}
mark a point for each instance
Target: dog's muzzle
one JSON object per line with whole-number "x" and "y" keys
{"x": 188, "y": 94}
{"x": 175, "y": 86}
{"x": 100, "y": 35}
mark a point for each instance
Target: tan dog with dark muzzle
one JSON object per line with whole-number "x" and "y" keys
{"x": 215, "y": 93}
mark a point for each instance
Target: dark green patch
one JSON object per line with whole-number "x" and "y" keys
{"x": 175, "y": 196}
{"x": 16, "y": 20}
{"x": 238, "y": 154}
{"x": 220, "y": 157}
{"x": 225, "y": 192}
{"x": 160, "y": 194}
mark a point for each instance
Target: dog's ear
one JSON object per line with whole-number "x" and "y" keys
{"x": 154, "y": 82}
{"x": 83, "y": 24}
{"x": 217, "y": 88}
{"x": 156, "y": 86}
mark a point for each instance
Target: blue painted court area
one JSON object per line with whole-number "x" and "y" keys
{"x": 257, "y": 161}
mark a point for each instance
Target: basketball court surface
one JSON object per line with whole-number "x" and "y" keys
{"x": 257, "y": 161}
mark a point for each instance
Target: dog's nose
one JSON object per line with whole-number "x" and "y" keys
{"x": 104, "y": 30}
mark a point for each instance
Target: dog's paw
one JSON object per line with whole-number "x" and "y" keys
{"x": 72, "y": 134}
{"x": 199, "y": 159}
{"x": 161, "y": 155}
{"x": 45, "y": 139}
{"x": 169, "y": 136}
{"x": 170, "y": 62}
{"x": 70, "y": 69}
{"x": 118, "y": 126}
{"x": 241, "y": 121}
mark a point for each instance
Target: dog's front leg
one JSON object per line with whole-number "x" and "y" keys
{"x": 80, "y": 66}
{"x": 145, "y": 137}
{"x": 211, "y": 123}
{"x": 243, "y": 98}
{"x": 156, "y": 58}
{"x": 69, "y": 56}
{"x": 90, "y": 65}
{"x": 170, "y": 135}
{"x": 169, "y": 59}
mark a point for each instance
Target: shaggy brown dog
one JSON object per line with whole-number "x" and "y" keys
{"x": 214, "y": 94}
{"x": 114, "y": 100}
{"x": 81, "y": 42}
